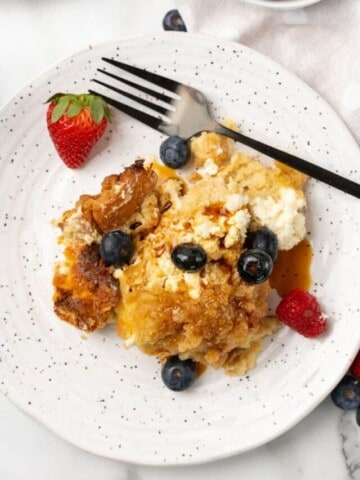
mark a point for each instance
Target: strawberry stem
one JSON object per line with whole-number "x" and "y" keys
{"x": 71, "y": 105}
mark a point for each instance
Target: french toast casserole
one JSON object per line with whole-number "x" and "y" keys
{"x": 212, "y": 315}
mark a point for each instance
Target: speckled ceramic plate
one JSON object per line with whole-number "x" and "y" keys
{"x": 89, "y": 389}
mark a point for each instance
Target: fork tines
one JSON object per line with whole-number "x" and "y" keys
{"x": 160, "y": 96}
{"x": 157, "y": 80}
{"x": 131, "y": 111}
{"x": 142, "y": 101}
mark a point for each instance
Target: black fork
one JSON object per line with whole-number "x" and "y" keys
{"x": 179, "y": 109}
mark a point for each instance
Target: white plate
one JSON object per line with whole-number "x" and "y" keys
{"x": 93, "y": 392}
{"x": 283, "y": 4}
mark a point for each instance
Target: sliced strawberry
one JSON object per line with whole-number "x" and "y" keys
{"x": 300, "y": 310}
{"x": 75, "y": 124}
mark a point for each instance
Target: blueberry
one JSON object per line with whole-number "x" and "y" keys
{"x": 173, "y": 21}
{"x": 178, "y": 375}
{"x": 266, "y": 240}
{"x": 175, "y": 152}
{"x": 116, "y": 248}
{"x": 347, "y": 394}
{"x": 188, "y": 257}
{"x": 255, "y": 266}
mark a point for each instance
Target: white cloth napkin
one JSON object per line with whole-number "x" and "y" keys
{"x": 321, "y": 43}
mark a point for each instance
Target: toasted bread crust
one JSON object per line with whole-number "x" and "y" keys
{"x": 86, "y": 294}
{"x": 121, "y": 195}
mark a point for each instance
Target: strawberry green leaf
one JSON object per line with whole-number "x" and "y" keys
{"x": 55, "y": 97}
{"x": 60, "y": 109}
{"x": 107, "y": 112}
{"x": 74, "y": 109}
{"x": 67, "y": 98}
{"x": 97, "y": 109}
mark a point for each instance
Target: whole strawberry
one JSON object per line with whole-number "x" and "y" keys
{"x": 355, "y": 367}
{"x": 75, "y": 123}
{"x": 300, "y": 310}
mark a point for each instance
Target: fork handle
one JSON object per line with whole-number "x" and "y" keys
{"x": 314, "y": 171}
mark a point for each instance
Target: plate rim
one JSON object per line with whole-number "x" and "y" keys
{"x": 202, "y": 457}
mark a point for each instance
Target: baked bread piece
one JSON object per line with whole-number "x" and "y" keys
{"x": 121, "y": 195}
{"x": 86, "y": 291}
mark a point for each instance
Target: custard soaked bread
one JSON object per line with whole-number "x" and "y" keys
{"x": 86, "y": 291}
{"x": 210, "y": 315}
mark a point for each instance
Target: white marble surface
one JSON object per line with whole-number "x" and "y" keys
{"x": 324, "y": 445}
